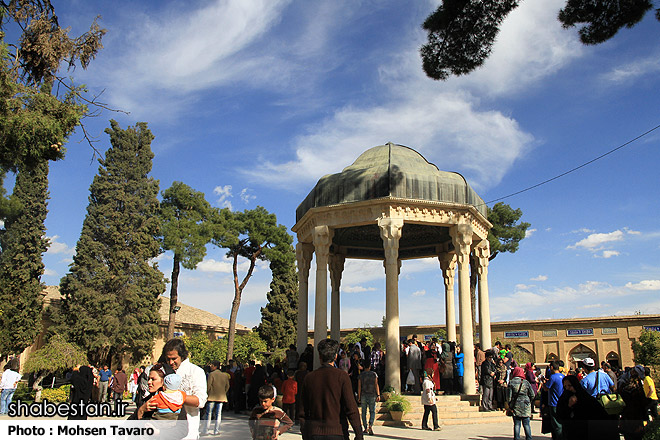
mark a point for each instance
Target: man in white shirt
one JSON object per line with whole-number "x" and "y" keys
{"x": 193, "y": 383}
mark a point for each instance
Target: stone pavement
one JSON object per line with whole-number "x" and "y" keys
{"x": 235, "y": 427}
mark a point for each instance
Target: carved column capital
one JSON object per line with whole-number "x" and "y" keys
{"x": 336, "y": 270}
{"x": 322, "y": 238}
{"x": 482, "y": 252}
{"x": 390, "y": 232}
{"x": 304, "y": 257}
{"x": 461, "y": 236}
{"x": 448, "y": 266}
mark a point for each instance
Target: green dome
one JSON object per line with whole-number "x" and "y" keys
{"x": 390, "y": 170}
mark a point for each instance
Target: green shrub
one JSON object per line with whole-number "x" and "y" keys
{"x": 23, "y": 392}
{"x": 397, "y": 402}
{"x": 60, "y": 394}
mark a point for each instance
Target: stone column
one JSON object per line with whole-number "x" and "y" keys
{"x": 482, "y": 251}
{"x": 390, "y": 232}
{"x": 336, "y": 269}
{"x": 304, "y": 257}
{"x": 448, "y": 267}
{"x": 322, "y": 239}
{"x": 462, "y": 238}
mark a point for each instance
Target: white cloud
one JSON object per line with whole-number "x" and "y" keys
{"x": 596, "y": 240}
{"x": 609, "y": 254}
{"x": 529, "y": 232}
{"x": 357, "y": 289}
{"x": 223, "y": 193}
{"x": 57, "y": 247}
{"x": 247, "y": 196}
{"x": 212, "y": 265}
{"x": 539, "y": 278}
{"x": 448, "y": 124}
{"x": 50, "y": 272}
{"x": 627, "y": 73}
{"x": 170, "y": 52}
{"x": 645, "y": 285}
{"x": 530, "y": 46}
{"x": 583, "y": 231}
{"x": 419, "y": 293}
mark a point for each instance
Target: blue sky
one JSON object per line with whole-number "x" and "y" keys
{"x": 252, "y": 102}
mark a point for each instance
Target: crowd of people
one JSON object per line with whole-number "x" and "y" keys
{"x": 585, "y": 402}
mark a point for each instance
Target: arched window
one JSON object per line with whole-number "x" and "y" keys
{"x": 551, "y": 357}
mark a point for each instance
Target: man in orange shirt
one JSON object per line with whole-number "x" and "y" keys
{"x": 289, "y": 391}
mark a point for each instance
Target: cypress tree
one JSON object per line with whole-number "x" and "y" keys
{"x": 110, "y": 303}
{"x": 279, "y": 317}
{"x": 23, "y": 243}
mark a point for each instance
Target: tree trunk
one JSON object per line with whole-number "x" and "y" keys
{"x": 238, "y": 291}
{"x": 174, "y": 296}
{"x": 37, "y": 386}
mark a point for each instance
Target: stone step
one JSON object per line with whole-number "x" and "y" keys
{"x": 466, "y": 421}
{"x": 452, "y": 410}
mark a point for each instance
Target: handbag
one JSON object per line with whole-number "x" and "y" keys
{"x": 509, "y": 408}
{"x": 410, "y": 380}
{"x": 612, "y": 403}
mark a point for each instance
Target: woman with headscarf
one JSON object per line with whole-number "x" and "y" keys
{"x": 581, "y": 415}
{"x": 530, "y": 376}
{"x": 500, "y": 383}
{"x": 82, "y": 382}
{"x": 631, "y": 388}
{"x": 520, "y": 395}
{"x": 258, "y": 379}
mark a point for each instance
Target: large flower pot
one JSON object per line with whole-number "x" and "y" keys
{"x": 397, "y": 416}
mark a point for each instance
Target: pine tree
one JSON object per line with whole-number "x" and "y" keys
{"x": 183, "y": 213}
{"x": 279, "y": 317}
{"x": 253, "y": 235}
{"x": 21, "y": 266}
{"x": 110, "y": 301}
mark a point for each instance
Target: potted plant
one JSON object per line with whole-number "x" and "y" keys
{"x": 387, "y": 392}
{"x": 397, "y": 405}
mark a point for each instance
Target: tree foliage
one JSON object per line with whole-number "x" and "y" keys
{"x": 279, "y": 316}
{"x": 21, "y": 265}
{"x": 507, "y": 230}
{"x": 647, "y": 348}
{"x": 254, "y": 235}
{"x": 110, "y": 303}
{"x": 186, "y": 229}
{"x": 461, "y": 33}
{"x": 57, "y": 355}
{"x": 202, "y": 350}
{"x": 36, "y": 118}
{"x": 358, "y": 334}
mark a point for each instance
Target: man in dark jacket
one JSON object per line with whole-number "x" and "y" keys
{"x": 119, "y": 384}
{"x": 487, "y": 375}
{"x": 327, "y": 399}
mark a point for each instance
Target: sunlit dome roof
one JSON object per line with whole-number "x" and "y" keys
{"x": 390, "y": 170}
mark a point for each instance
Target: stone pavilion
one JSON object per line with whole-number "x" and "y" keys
{"x": 391, "y": 204}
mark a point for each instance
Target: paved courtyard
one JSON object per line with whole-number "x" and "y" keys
{"x": 235, "y": 428}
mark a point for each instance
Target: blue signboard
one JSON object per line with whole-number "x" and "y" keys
{"x": 580, "y": 332}
{"x": 520, "y": 334}
{"x": 653, "y": 328}
{"x": 178, "y": 334}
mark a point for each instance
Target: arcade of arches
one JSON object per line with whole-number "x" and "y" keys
{"x": 604, "y": 338}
